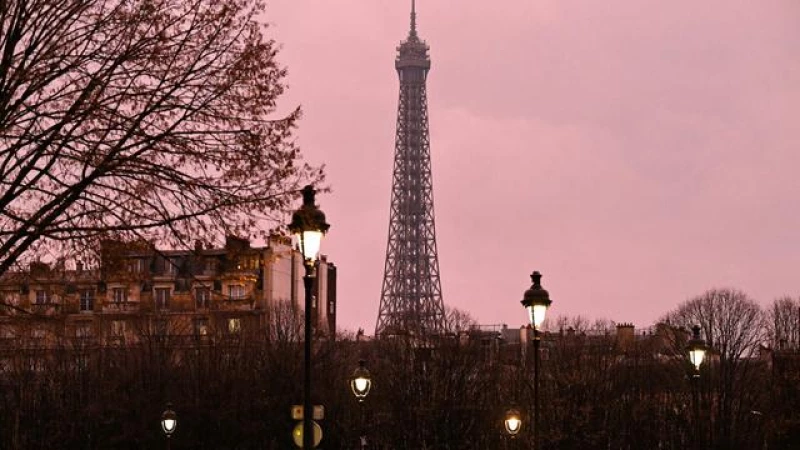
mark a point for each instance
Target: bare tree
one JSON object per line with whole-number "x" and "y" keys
{"x": 285, "y": 323}
{"x": 457, "y": 320}
{"x": 578, "y": 324}
{"x": 783, "y": 323}
{"x": 730, "y": 321}
{"x": 140, "y": 119}
{"x": 732, "y": 325}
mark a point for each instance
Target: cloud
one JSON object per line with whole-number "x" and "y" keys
{"x": 637, "y": 153}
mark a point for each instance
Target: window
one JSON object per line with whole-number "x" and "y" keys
{"x": 236, "y": 291}
{"x": 12, "y": 298}
{"x": 42, "y": 297}
{"x": 249, "y": 263}
{"x": 138, "y": 265}
{"x": 202, "y": 296}
{"x": 161, "y": 328}
{"x": 83, "y": 330}
{"x": 7, "y": 332}
{"x": 34, "y": 364}
{"x": 120, "y": 295}
{"x": 38, "y": 334}
{"x": 117, "y": 329}
{"x": 211, "y": 265}
{"x": 87, "y": 300}
{"x": 234, "y": 326}
{"x": 201, "y": 327}
{"x": 171, "y": 266}
{"x": 162, "y": 298}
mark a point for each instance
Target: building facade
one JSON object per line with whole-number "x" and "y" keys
{"x": 139, "y": 292}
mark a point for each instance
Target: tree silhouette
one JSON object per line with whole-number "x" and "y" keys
{"x": 139, "y": 119}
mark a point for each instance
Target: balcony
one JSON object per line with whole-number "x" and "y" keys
{"x": 115, "y": 340}
{"x": 121, "y": 307}
{"x": 84, "y": 341}
{"x": 244, "y": 303}
{"x": 47, "y": 309}
{"x": 203, "y": 305}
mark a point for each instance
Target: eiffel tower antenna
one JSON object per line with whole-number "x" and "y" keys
{"x": 413, "y": 18}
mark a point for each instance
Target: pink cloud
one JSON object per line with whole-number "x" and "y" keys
{"x": 637, "y": 153}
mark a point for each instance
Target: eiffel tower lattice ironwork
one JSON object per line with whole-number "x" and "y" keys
{"x": 411, "y": 296}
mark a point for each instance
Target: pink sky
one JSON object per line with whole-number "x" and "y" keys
{"x": 635, "y": 152}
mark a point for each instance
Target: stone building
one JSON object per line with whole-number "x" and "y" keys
{"x": 138, "y": 292}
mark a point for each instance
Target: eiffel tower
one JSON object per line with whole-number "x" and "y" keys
{"x": 411, "y": 297}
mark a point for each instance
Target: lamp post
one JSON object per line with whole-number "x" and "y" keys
{"x": 308, "y": 225}
{"x": 536, "y": 301}
{"x": 513, "y": 422}
{"x": 697, "y": 353}
{"x": 360, "y": 384}
{"x": 169, "y": 421}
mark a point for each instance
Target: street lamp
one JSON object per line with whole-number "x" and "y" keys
{"x": 536, "y": 301}
{"x": 308, "y": 225}
{"x": 513, "y": 422}
{"x": 360, "y": 383}
{"x": 697, "y": 352}
{"x": 169, "y": 421}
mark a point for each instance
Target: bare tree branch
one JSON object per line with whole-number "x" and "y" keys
{"x": 138, "y": 118}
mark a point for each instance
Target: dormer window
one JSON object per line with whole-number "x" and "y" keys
{"x": 170, "y": 266}
{"x": 138, "y": 265}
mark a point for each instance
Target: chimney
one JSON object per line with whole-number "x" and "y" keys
{"x": 625, "y": 335}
